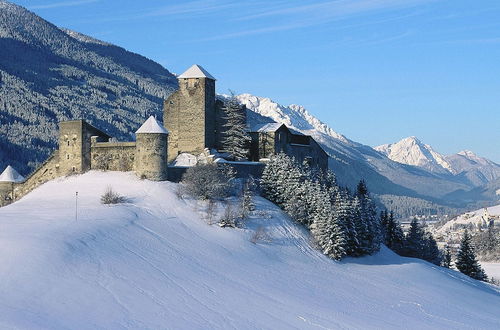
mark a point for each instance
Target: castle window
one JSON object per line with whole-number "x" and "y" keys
{"x": 67, "y": 156}
{"x": 68, "y": 143}
{"x": 74, "y": 168}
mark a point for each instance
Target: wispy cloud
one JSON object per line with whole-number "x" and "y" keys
{"x": 337, "y": 8}
{"x": 63, "y": 4}
{"x": 296, "y": 17}
{"x": 199, "y": 7}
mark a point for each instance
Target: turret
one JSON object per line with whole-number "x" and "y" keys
{"x": 8, "y": 179}
{"x": 151, "y": 151}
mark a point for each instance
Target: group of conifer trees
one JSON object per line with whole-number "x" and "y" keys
{"x": 342, "y": 224}
{"x": 417, "y": 243}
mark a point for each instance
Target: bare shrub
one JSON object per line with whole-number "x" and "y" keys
{"x": 207, "y": 181}
{"x": 112, "y": 197}
{"x": 260, "y": 235}
{"x": 230, "y": 217}
{"x": 211, "y": 210}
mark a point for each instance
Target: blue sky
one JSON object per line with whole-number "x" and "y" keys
{"x": 374, "y": 70}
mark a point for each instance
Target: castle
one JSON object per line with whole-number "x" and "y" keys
{"x": 193, "y": 123}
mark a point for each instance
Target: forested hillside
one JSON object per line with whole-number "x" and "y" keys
{"x": 49, "y": 74}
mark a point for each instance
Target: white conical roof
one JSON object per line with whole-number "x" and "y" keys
{"x": 11, "y": 175}
{"x": 152, "y": 126}
{"x": 196, "y": 71}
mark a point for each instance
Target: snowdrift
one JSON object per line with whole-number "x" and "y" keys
{"x": 154, "y": 263}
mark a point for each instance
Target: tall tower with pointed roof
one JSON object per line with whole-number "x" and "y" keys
{"x": 189, "y": 113}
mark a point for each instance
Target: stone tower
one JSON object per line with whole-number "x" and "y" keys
{"x": 189, "y": 113}
{"x": 74, "y": 145}
{"x": 151, "y": 151}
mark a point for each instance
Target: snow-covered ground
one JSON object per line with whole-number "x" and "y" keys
{"x": 154, "y": 263}
{"x": 474, "y": 217}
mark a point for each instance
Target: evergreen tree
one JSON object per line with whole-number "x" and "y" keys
{"x": 431, "y": 251}
{"x": 447, "y": 257}
{"x": 235, "y": 138}
{"x": 466, "y": 261}
{"x": 328, "y": 230}
{"x": 384, "y": 219}
{"x": 413, "y": 243}
{"x": 345, "y": 216}
{"x": 368, "y": 226}
{"x": 394, "y": 237}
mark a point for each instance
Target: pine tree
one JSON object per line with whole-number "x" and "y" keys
{"x": 394, "y": 237}
{"x": 447, "y": 257}
{"x": 466, "y": 261}
{"x": 368, "y": 224}
{"x": 235, "y": 138}
{"x": 413, "y": 243}
{"x": 345, "y": 216}
{"x": 328, "y": 230}
{"x": 431, "y": 251}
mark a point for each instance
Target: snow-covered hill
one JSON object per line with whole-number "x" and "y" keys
{"x": 478, "y": 217}
{"x": 412, "y": 151}
{"x": 154, "y": 263}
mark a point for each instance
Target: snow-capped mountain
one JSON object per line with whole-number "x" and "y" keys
{"x": 295, "y": 116}
{"x": 412, "y": 151}
{"x": 478, "y": 170}
{"x": 351, "y": 160}
{"x": 465, "y": 165}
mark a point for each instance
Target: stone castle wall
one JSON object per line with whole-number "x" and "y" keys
{"x": 5, "y": 193}
{"x": 49, "y": 170}
{"x": 113, "y": 156}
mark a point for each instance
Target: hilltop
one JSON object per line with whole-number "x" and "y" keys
{"x": 154, "y": 262}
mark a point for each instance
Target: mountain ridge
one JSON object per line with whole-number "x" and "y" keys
{"x": 49, "y": 74}
{"x": 465, "y": 164}
{"x": 64, "y": 74}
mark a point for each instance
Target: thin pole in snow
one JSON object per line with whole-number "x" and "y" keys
{"x": 76, "y": 206}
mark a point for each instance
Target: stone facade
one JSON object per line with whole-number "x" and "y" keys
{"x": 151, "y": 156}
{"x": 75, "y": 145}
{"x": 112, "y": 156}
{"x": 6, "y": 189}
{"x": 189, "y": 116}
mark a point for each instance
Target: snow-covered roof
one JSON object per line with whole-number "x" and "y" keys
{"x": 196, "y": 71}
{"x": 11, "y": 175}
{"x": 151, "y": 125}
{"x": 265, "y": 127}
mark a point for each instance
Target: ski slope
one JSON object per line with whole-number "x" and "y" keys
{"x": 154, "y": 263}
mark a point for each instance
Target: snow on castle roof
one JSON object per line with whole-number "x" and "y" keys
{"x": 196, "y": 71}
{"x": 151, "y": 125}
{"x": 11, "y": 175}
{"x": 265, "y": 127}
